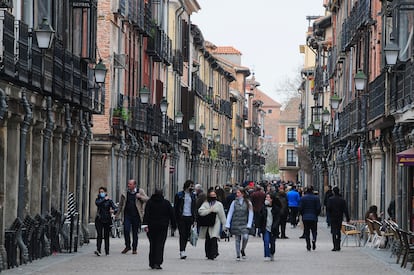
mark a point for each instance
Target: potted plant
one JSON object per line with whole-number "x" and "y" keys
{"x": 120, "y": 114}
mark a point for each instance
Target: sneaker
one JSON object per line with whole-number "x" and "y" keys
{"x": 272, "y": 257}
{"x": 134, "y": 252}
{"x": 238, "y": 258}
{"x": 157, "y": 266}
{"x": 97, "y": 253}
{"x": 267, "y": 259}
{"x": 243, "y": 254}
{"x": 313, "y": 245}
{"x": 126, "y": 249}
{"x": 183, "y": 256}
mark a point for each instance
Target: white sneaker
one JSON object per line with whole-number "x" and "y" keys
{"x": 238, "y": 258}
{"x": 267, "y": 259}
{"x": 183, "y": 255}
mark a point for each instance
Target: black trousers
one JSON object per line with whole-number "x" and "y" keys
{"x": 184, "y": 228}
{"x": 293, "y": 215}
{"x": 211, "y": 247}
{"x": 157, "y": 236}
{"x": 102, "y": 231}
{"x": 336, "y": 234}
{"x": 282, "y": 224}
{"x": 308, "y": 227}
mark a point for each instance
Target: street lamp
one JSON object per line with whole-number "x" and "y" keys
{"x": 317, "y": 124}
{"x": 325, "y": 115}
{"x": 360, "y": 79}
{"x": 44, "y": 34}
{"x": 192, "y": 123}
{"x": 310, "y": 129}
{"x": 144, "y": 94}
{"x": 163, "y": 105}
{"x": 217, "y": 138}
{"x": 202, "y": 129}
{"x": 335, "y": 100}
{"x": 391, "y": 52}
{"x": 100, "y": 72}
{"x": 179, "y": 117}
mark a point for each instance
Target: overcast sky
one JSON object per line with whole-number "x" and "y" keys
{"x": 267, "y": 33}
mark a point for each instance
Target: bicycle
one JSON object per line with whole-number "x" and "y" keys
{"x": 116, "y": 227}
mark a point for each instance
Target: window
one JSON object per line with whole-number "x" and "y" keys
{"x": 291, "y": 158}
{"x": 269, "y": 111}
{"x": 291, "y": 134}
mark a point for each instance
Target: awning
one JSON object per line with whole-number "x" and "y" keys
{"x": 406, "y": 158}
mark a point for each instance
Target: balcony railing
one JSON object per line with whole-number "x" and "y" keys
{"x": 178, "y": 62}
{"x": 288, "y": 164}
{"x": 353, "y": 118}
{"x": 377, "y": 98}
{"x": 357, "y": 19}
{"x": 199, "y": 86}
{"x": 402, "y": 94}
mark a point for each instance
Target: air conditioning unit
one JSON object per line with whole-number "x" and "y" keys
{"x": 120, "y": 61}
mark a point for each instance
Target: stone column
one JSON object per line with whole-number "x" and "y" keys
{"x": 56, "y": 173}
{"x": 36, "y": 148}
{"x": 374, "y": 186}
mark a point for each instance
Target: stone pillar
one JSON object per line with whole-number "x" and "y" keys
{"x": 56, "y": 173}
{"x": 100, "y": 172}
{"x": 374, "y": 186}
{"x": 3, "y": 171}
{"x": 12, "y": 170}
{"x": 36, "y": 148}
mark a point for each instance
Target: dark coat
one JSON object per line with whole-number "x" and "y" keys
{"x": 337, "y": 208}
{"x": 179, "y": 205}
{"x": 104, "y": 209}
{"x": 263, "y": 219}
{"x": 159, "y": 212}
{"x": 310, "y": 207}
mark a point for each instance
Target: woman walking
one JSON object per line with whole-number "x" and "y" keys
{"x": 268, "y": 223}
{"x": 239, "y": 221}
{"x": 103, "y": 220}
{"x": 211, "y": 233}
{"x": 158, "y": 215}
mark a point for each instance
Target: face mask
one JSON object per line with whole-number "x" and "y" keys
{"x": 102, "y": 195}
{"x": 267, "y": 202}
{"x": 210, "y": 199}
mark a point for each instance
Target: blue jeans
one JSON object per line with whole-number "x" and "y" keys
{"x": 269, "y": 242}
{"x": 134, "y": 223}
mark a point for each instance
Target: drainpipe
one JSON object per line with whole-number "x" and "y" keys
{"x": 382, "y": 190}
{"x": 47, "y": 133}
{"x": 86, "y": 177}
{"x": 121, "y": 155}
{"x": 79, "y": 174}
{"x": 24, "y": 127}
{"x": 64, "y": 166}
{"x": 3, "y": 104}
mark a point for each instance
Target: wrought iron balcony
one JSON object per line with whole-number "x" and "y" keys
{"x": 226, "y": 108}
{"x": 377, "y": 98}
{"x": 225, "y": 151}
{"x": 245, "y": 113}
{"x": 199, "y": 86}
{"x": 358, "y": 18}
{"x": 352, "y": 119}
{"x": 178, "y": 62}
{"x": 318, "y": 80}
{"x": 402, "y": 94}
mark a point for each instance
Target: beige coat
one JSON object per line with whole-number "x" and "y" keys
{"x": 139, "y": 202}
{"x": 205, "y": 209}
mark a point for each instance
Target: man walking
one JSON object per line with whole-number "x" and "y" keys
{"x": 185, "y": 211}
{"x": 132, "y": 205}
{"x": 310, "y": 208}
{"x": 336, "y": 210}
{"x": 293, "y": 198}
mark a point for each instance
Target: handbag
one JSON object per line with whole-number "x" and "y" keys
{"x": 193, "y": 236}
{"x": 207, "y": 220}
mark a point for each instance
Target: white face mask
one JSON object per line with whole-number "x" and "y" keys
{"x": 267, "y": 202}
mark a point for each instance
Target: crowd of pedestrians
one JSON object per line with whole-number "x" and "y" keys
{"x": 251, "y": 209}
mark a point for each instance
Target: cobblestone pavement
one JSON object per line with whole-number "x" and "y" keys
{"x": 291, "y": 258}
